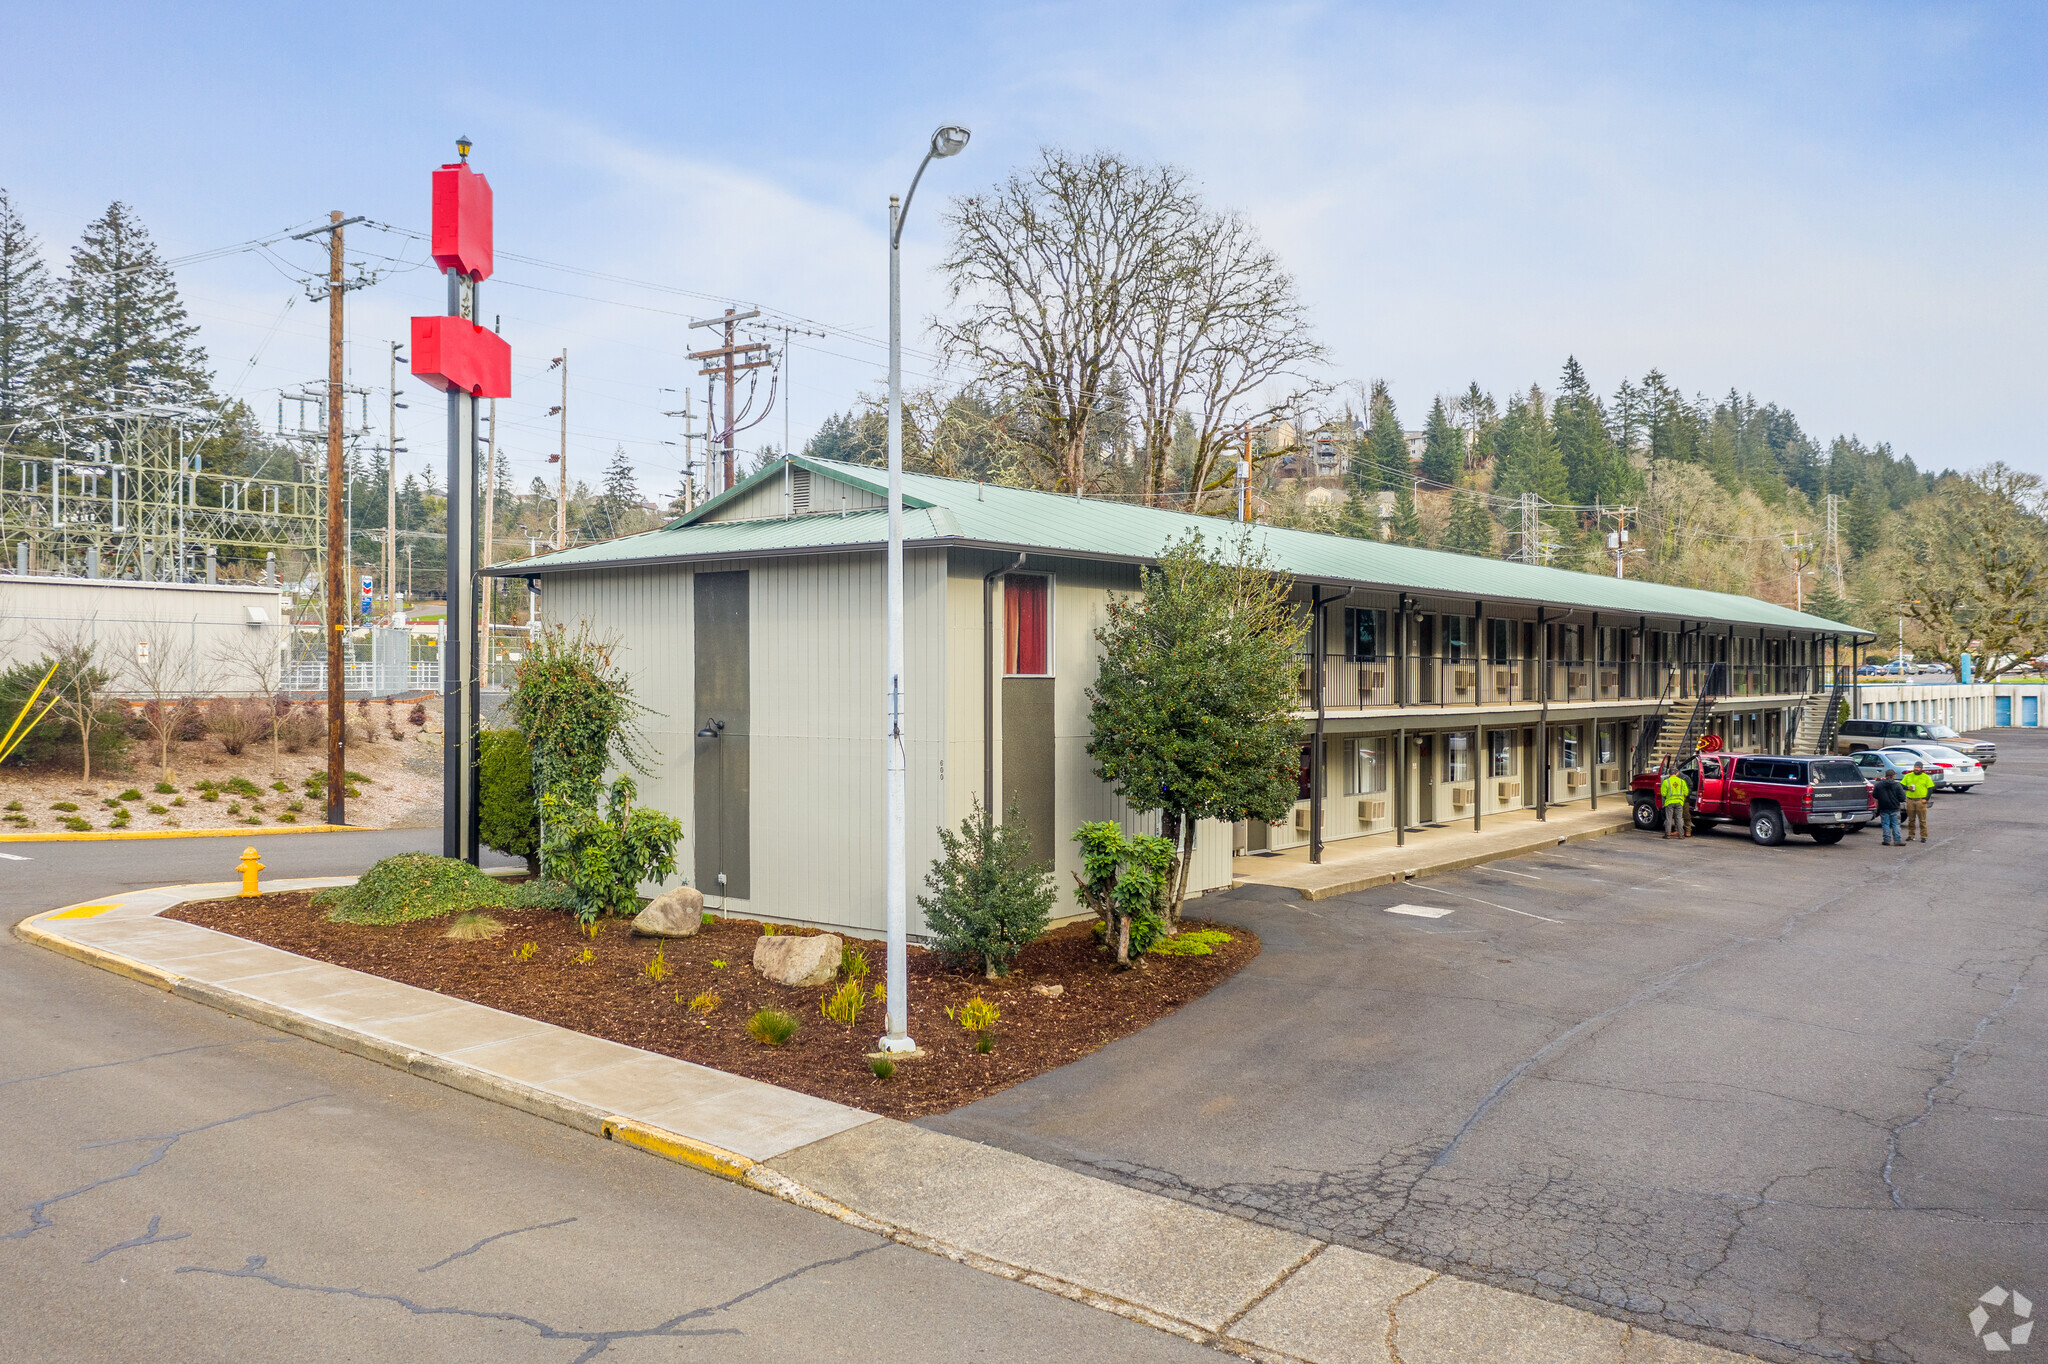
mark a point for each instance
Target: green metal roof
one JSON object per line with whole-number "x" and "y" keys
{"x": 944, "y": 511}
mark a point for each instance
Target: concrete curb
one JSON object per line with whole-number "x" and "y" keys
{"x": 257, "y": 831}
{"x": 1454, "y": 864}
{"x": 1271, "y": 1291}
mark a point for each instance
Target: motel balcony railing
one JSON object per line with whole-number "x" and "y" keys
{"x": 1443, "y": 683}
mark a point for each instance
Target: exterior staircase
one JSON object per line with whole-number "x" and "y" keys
{"x": 1674, "y": 731}
{"x": 1818, "y": 719}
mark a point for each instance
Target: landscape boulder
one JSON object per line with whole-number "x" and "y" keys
{"x": 790, "y": 960}
{"x": 677, "y": 913}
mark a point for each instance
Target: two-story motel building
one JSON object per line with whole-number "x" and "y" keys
{"x": 1444, "y": 689}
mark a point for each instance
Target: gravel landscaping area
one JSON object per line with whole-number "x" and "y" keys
{"x": 1063, "y": 1002}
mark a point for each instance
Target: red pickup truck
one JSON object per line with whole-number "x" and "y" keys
{"x": 1825, "y": 796}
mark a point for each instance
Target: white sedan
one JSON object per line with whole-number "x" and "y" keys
{"x": 1952, "y": 771}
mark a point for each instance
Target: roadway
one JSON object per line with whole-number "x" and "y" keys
{"x": 1787, "y": 1100}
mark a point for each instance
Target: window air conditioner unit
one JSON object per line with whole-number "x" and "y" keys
{"x": 1575, "y": 678}
{"x": 1462, "y": 680}
{"x": 1371, "y": 680}
{"x": 1610, "y": 681}
{"x": 1370, "y": 810}
{"x": 1610, "y": 775}
{"x": 1505, "y": 791}
{"x": 1574, "y": 779}
{"x": 1301, "y": 819}
{"x": 1503, "y": 681}
{"x": 1460, "y": 798}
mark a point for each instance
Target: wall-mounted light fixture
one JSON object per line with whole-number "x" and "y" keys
{"x": 712, "y": 729}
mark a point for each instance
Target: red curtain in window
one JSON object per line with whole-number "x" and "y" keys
{"x": 1025, "y": 606}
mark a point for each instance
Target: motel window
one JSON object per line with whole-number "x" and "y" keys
{"x": 1454, "y": 638}
{"x": 1501, "y": 750}
{"x": 1027, "y": 625}
{"x": 1499, "y": 640}
{"x": 1368, "y": 774}
{"x": 1569, "y": 756}
{"x": 1606, "y": 733}
{"x": 1457, "y": 757}
{"x": 1305, "y": 777}
{"x": 1362, "y": 630}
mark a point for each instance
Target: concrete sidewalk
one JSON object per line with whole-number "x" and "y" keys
{"x": 1242, "y": 1287}
{"x": 1356, "y": 864}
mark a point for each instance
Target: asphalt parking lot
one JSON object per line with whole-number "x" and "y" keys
{"x": 1789, "y": 1100}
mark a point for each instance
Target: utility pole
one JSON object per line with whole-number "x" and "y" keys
{"x": 1244, "y": 474}
{"x": 390, "y": 565}
{"x": 690, "y": 434}
{"x": 562, "y": 458}
{"x": 1617, "y": 539}
{"x": 788, "y": 392}
{"x": 725, "y": 362}
{"x": 490, "y": 524}
{"x": 1798, "y": 572}
{"x": 337, "y": 535}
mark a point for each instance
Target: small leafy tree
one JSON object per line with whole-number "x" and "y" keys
{"x": 989, "y": 901}
{"x": 574, "y": 702}
{"x": 603, "y": 858}
{"x": 508, "y": 815}
{"x": 82, "y": 703}
{"x": 1125, "y": 880}
{"x": 1193, "y": 705}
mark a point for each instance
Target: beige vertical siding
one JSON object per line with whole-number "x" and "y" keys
{"x": 202, "y": 632}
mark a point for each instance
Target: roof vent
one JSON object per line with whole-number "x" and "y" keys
{"x": 799, "y": 491}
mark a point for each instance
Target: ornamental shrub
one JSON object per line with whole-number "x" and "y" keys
{"x": 989, "y": 901}
{"x": 1127, "y": 882}
{"x": 575, "y": 705}
{"x": 509, "y": 819}
{"x": 603, "y": 858}
{"x": 413, "y": 886}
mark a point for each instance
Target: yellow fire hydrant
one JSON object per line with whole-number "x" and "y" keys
{"x": 248, "y": 866}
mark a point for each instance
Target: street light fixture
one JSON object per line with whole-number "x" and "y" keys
{"x": 946, "y": 141}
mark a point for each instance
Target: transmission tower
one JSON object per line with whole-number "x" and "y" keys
{"x": 1835, "y": 545}
{"x": 1528, "y": 546}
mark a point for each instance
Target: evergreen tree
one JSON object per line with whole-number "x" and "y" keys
{"x": 1594, "y": 469}
{"x": 1530, "y": 462}
{"x": 1863, "y": 527}
{"x": 24, "y": 316}
{"x": 1480, "y": 417}
{"x": 1825, "y": 603}
{"x": 621, "y": 491}
{"x": 1444, "y": 455}
{"x": 1359, "y": 517}
{"x": 1386, "y": 449}
{"x": 1471, "y": 526}
{"x": 1406, "y": 527}
{"x": 120, "y": 328}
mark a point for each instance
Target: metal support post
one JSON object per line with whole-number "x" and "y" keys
{"x": 459, "y": 699}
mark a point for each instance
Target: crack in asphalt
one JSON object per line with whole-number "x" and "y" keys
{"x": 1896, "y": 1138}
{"x": 38, "y": 1217}
{"x": 597, "y": 1342}
{"x": 148, "y": 1238}
{"x": 137, "y": 1060}
{"x": 517, "y": 1231}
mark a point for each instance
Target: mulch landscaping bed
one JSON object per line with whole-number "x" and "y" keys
{"x": 611, "y": 996}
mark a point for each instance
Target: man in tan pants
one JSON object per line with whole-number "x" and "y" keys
{"x": 1919, "y": 789}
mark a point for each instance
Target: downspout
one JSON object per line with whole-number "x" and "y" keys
{"x": 1318, "y": 634}
{"x": 1542, "y": 772}
{"x": 988, "y": 684}
{"x": 1478, "y": 755}
{"x": 1593, "y": 786}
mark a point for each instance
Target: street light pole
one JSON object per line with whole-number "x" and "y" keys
{"x": 947, "y": 141}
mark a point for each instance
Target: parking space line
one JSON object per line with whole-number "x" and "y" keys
{"x": 1438, "y": 890}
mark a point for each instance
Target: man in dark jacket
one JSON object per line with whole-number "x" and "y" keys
{"x": 1891, "y": 800}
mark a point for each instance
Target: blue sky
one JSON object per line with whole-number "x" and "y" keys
{"x": 1837, "y": 208}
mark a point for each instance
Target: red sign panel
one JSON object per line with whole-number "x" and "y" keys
{"x": 457, "y": 356}
{"x": 462, "y": 221}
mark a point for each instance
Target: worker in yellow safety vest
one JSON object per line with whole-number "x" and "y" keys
{"x": 1675, "y": 791}
{"x": 1919, "y": 784}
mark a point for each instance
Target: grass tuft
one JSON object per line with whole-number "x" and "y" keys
{"x": 524, "y": 952}
{"x": 883, "y": 1067}
{"x": 772, "y": 1027}
{"x": 657, "y": 967}
{"x": 474, "y": 927}
{"x": 844, "y": 1004}
{"x": 853, "y": 963}
{"x": 164, "y": 788}
{"x": 130, "y": 794}
{"x": 705, "y": 1003}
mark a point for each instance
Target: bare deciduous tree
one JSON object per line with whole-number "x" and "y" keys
{"x": 1971, "y": 569}
{"x": 157, "y": 665}
{"x": 252, "y": 661}
{"x": 1053, "y": 266}
{"x": 1218, "y": 322}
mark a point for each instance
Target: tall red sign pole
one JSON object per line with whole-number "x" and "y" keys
{"x": 466, "y": 362}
